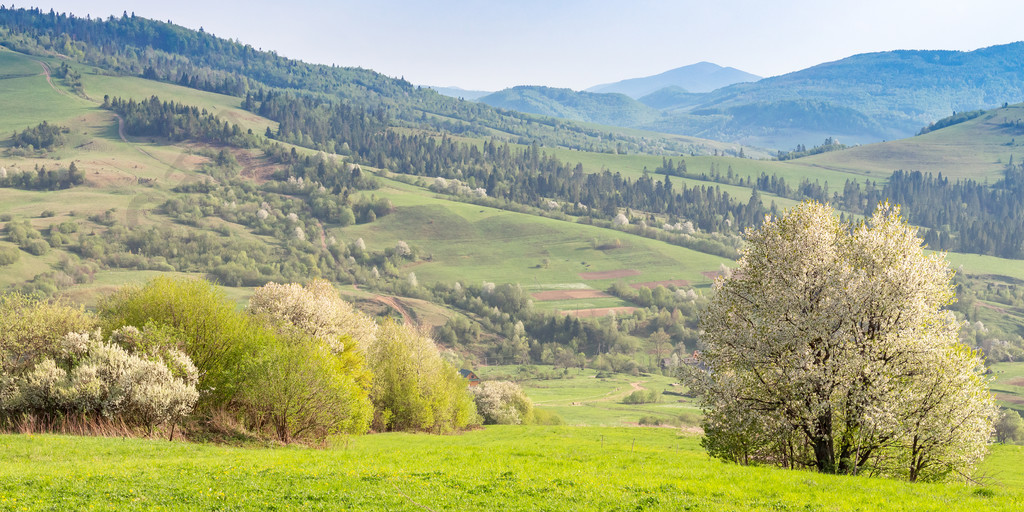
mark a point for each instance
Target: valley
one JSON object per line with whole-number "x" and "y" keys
{"x": 548, "y": 245}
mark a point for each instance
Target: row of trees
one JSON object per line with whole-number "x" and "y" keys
{"x": 298, "y": 364}
{"x": 42, "y": 178}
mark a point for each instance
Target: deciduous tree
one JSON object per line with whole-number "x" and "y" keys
{"x": 829, "y": 347}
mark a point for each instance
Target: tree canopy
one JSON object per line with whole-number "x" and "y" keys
{"x": 829, "y": 348}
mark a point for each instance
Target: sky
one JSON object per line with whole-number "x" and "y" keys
{"x": 491, "y": 45}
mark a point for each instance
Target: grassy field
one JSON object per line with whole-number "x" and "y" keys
{"x": 26, "y": 98}
{"x": 1009, "y": 385}
{"x": 472, "y": 244}
{"x": 506, "y": 468}
{"x": 976, "y": 149}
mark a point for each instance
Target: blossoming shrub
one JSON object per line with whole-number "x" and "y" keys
{"x": 90, "y": 378}
{"x": 502, "y": 403}
{"x": 316, "y": 309}
{"x": 195, "y": 318}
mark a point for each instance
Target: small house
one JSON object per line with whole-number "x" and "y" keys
{"x": 470, "y": 376}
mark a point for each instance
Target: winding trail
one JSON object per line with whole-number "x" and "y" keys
{"x": 49, "y": 79}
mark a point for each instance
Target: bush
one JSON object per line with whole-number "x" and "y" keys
{"x": 31, "y": 330}
{"x": 9, "y": 255}
{"x": 640, "y": 396}
{"x": 1009, "y": 427}
{"x": 308, "y": 391}
{"x": 224, "y": 343}
{"x": 502, "y": 403}
{"x": 413, "y": 388}
{"x": 36, "y": 247}
{"x": 315, "y": 309}
{"x": 92, "y": 379}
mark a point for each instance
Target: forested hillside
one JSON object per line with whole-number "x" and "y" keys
{"x": 294, "y": 171}
{"x": 860, "y": 99}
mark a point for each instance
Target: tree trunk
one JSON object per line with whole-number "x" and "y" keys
{"x": 824, "y": 452}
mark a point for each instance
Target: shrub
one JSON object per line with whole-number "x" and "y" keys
{"x": 9, "y": 255}
{"x": 224, "y": 343}
{"x": 641, "y": 396}
{"x": 1009, "y": 427}
{"x": 31, "y": 330}
{"x": 308, "y": 391}
{"x": 90, "y": 378}
{"x": 502, "y": 403}
{"x": 315, "y": 309}
{"x": 413, "y": 388}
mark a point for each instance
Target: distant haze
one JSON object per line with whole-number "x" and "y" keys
{"x": 479, "y": 45}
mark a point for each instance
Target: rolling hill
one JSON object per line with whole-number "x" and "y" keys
{"x": 860, "y": 99}
{"x": 609, "y": 109}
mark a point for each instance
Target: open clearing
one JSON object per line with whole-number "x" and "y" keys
{"x": 609, "y": 274}
{"x": 568, "y": 294}
{"x": 666, "y": 283}
{"x": 599, "y": 312}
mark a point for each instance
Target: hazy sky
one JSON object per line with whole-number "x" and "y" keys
{"x": 575, "y": 43}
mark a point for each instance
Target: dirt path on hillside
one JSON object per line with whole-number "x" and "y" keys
{"x": 397, "y": 306}
{"x": 49, "y": 80}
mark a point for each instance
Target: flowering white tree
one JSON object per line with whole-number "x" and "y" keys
{"x": 829, "y": 348}
{"x": 315, "y": 309}
{"x": 502, "y": 402}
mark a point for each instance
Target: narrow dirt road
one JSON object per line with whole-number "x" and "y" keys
{"x": 397, "y": 306}
{"x": 49, "y": 80}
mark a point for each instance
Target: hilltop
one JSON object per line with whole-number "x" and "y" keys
{"x": 695, "y": 78}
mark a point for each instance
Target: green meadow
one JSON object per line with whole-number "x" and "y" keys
{"x": 507, "y": 468}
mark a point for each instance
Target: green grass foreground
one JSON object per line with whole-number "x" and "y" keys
{"x": 498, "y": 468}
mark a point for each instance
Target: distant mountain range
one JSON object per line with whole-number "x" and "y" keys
{"x": 699, "y": 77}
{"x": 860, "y": 99}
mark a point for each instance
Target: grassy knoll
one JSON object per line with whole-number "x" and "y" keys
{"x": 507, "y": 468}
{"x": 470, "y": 243}
{"x": 976, "y": 149}
{"x": 26, "y": 98}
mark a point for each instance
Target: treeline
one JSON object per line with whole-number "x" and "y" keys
{"x": 299, "y": 364}
{"x": 524, "y": 176}
{"x": 830, "y": 144}
{"x": 42, "y": 178}
{"x": 956, "y": 118}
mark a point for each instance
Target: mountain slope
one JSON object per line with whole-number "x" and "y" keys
{"x": 899, "y": 91}
{"x": 612, "y": 109}
{"x": 699, "y": 77}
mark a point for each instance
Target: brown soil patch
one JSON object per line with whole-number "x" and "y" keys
{"x": 609, "y": 274}
{"x": 568, "y": 294}
{"x": 257, "y": 167}
{"x": 666, "y": 284}
{"x": 1019, "y": 381}
{"x": 598, "y": 312}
